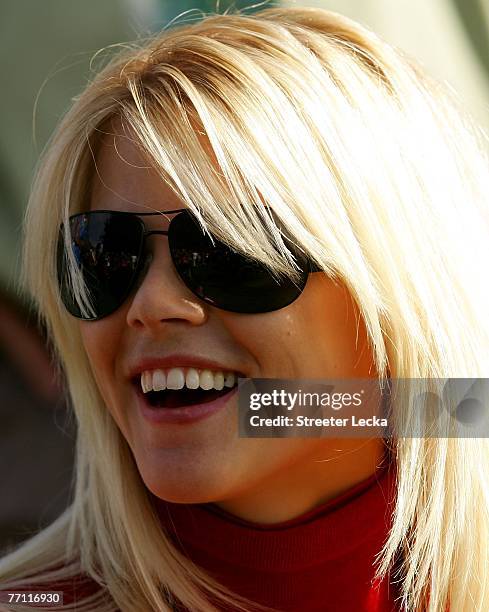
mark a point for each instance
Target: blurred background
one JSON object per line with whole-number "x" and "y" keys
{"x": 46, "y": 48}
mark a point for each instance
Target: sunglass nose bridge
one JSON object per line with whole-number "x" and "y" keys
{"x": 162, "y": 213}
{"x": 150, "y": 232}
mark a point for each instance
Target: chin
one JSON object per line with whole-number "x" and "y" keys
{"x": 183, "y": 486}
{"x": 179, "y": 494}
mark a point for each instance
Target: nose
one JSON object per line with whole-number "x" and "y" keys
{"x": 161, "y": 296}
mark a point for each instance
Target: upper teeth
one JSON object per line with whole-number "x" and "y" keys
{"x": 178, "y": 378}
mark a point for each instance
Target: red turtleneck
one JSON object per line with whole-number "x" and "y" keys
{"x": 322, "y": 561}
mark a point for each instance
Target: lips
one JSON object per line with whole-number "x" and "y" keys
{"x": 180, "y": 360}
{"x": 181, "y": 407}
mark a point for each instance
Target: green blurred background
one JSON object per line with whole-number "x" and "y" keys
{"x": 46, "y": 48}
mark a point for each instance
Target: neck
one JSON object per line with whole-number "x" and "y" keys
{"x": 335, "y": 466}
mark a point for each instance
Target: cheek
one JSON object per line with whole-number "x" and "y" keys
{"x": 321, "y": 335}
{"x": 280, "y": 342}
{"x": 94, "y": 337}
{"x": 100, "y": 341}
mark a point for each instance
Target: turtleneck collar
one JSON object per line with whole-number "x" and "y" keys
{"x": 319, "y": 561}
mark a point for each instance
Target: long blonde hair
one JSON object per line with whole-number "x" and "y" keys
{"x": 378, "y": 174}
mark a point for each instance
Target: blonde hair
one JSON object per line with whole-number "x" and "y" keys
{"x": 380, "y": 177}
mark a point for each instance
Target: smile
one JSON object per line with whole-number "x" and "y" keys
{"x": 186, "y": 378}
{"x": 183, "y": 395}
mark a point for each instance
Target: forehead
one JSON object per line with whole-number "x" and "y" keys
{"x": 125, "y": 178}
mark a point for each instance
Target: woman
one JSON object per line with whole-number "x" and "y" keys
{"x": 316, "y": 155}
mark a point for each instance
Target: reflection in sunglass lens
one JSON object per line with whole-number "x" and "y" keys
{"x": 223, "y": 277}
{"x": 108, "y": 245}
{"x": 107, "y": 248}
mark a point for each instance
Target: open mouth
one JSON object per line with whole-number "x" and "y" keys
{"x": 183, "y": 397}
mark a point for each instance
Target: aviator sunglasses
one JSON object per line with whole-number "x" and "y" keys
{"x": 109, "y": 248}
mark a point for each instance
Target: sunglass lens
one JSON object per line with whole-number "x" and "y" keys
{"x": 107, "y": 248}
{"x": 224, "y": 278}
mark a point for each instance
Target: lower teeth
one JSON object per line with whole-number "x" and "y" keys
{"x": 183, "y": 397}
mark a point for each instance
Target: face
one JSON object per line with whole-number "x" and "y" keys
{"x": 320, "y": 335}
